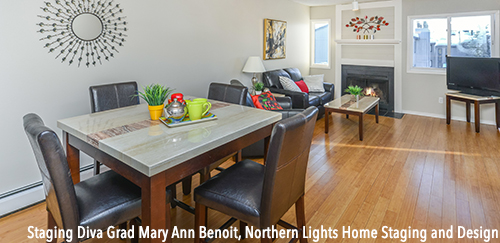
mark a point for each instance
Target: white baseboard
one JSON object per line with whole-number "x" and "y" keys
{"x": 33, "y": 195}
{"x": 440, "y": 116}
{"x": 21, "y": 200}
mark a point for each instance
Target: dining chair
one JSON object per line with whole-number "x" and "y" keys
{"x": 111, "y": 96}
{"x": 259, "y": 194}
{"x": 101, "y": 201}
{"x": 256, "y": 150}
{"x": 226, "y": 93}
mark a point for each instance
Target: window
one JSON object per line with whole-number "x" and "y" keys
{"x": 429, "y": 41}
{"x": 320, "y": 43}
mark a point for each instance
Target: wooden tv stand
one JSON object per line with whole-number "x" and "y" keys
{"x": 477, "y": 100}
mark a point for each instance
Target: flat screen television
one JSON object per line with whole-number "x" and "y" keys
{"x": 478, "y": 76}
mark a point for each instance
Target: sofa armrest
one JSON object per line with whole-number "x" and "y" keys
{"x": 329, "y": 87}
{"x": 285, "y": 102}
{"x": 299, "y": 99}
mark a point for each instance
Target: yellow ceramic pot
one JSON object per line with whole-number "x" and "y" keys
{"x": 155, "y": 112}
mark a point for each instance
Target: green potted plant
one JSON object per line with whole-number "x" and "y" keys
{"x": 258, "y": 87}
{"x": 354, "y": 91}
{"x": 155, "y": 95}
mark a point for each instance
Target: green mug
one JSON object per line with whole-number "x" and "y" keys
{"x": 197, "y": 110}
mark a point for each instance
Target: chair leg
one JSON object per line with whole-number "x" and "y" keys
{"x": 173, "y": 190}
{"x": 51, "y": 223}
{"x": 168, "y": 222}
{"x": 186, "y": 185}
{"x": 122, "y": 226}
{"x": 135, "y": 224}
{"x": 97, "y": 167}
{"x": 301, "y": 218}
{"x": 200, "y": 219}
{"x": 243, "y": 227}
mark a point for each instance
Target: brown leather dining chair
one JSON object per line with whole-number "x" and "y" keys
{"x": 226, "y": 93}
{"x": 111, "y": 96}
{"x": 261, "y": 194}
{"x": 101, "y": 201}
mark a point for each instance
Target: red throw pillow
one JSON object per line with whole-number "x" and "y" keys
{"x": 266, "y": 101}
{"x": 302, "y": 86}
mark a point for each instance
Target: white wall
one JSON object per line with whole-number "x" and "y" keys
{"x": 181, "y": 44}
{"x": 421, "y": 91}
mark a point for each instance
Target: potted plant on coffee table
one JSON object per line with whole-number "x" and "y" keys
{"x": 355, "y": 91}
{"x": 155, "y": 95}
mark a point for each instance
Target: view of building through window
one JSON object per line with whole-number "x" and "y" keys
{"x": 470, "y": 37}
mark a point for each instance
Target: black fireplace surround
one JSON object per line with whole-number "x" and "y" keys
{"x": 379, "y": 79}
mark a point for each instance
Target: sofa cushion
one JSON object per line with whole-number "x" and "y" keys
{"x": 266, "y": 101}
{"x": 315, "y": 83}
{"x": 314, "y": 100}
{"x": 302, "y": 86}
{"x": 324, "y": 97}
{"x": 294, "y": 73}
{"x": 288, "y": 84}
{"x": 271, "y": 78}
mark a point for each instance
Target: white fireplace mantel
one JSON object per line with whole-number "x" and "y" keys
{"x": 395, "y": 61}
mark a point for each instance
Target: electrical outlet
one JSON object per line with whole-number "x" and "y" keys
{"x": 440, "y": 100}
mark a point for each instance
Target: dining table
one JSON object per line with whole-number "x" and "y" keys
{"x": 154, "y": 156}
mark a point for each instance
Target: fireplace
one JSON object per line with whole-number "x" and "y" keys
{"x": 375, "y": 81}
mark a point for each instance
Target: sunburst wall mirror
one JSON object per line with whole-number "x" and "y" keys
{"x": 83, "y": 31}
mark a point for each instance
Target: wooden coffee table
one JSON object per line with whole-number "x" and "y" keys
{"x": 344, "y": 105}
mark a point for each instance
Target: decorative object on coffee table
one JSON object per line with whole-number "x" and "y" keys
{"x": 355, "y": 92}
{"x": 254, "y": 65}
{"x": 274, "y": 39}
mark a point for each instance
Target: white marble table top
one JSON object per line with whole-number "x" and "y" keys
{"x": 471, "y": 97}
{"x": 150, "y": 147}
{"x": 365, "y": 103}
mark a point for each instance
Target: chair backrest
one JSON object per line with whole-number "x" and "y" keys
{"x": 286, "y": 165}
{"x": 249, "y": 101}
{"x": 228, "y": 93}
{"x": 112, "y": 96}
{"x": 56, "y": 177}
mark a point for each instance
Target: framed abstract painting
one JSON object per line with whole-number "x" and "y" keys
{"x": 274, "y": 39}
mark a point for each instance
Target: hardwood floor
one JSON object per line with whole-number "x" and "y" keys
{"x": 415, "y": 172}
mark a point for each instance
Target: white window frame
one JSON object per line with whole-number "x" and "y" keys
{"x": 319, "y": 21}
{"x": 442, "y": 71}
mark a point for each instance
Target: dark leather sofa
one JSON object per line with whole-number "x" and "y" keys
{"x": 300, "y": 100}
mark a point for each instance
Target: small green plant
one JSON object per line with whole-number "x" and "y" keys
{"x": 154, "y": 94}
{"x": 258, "y": 86}
{"x": 354, "y": 90}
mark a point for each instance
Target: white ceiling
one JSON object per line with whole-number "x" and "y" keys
{"x": 328, "y": 2}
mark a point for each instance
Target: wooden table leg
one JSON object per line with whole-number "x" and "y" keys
{"x": 361, "y": 127}
{"x": 266, "y": 146}
{"x": 154, "y": 206}
{"x": 448, "y": 110}
{"x": 73, "y": 158}
{"x": 497, "y": 113}
{"x": 376, "y": 112}
{"x": 477, "y": 120}
{"x": 327, "y": 116}
{"x": 51, "y": 224}
{"x": 467, "y": 110}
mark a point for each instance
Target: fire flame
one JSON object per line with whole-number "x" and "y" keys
{"x": 370, "y": 92}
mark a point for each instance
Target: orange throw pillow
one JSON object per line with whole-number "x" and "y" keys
{"x": 266, "y": 101}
